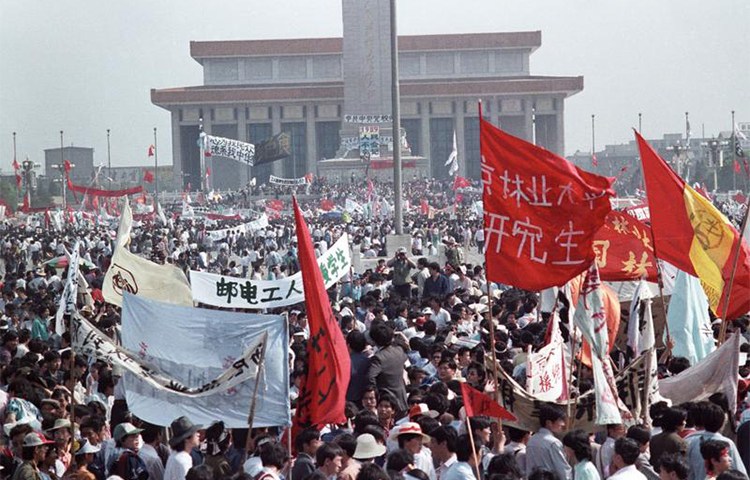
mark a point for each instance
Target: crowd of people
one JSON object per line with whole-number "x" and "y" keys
{"x": 416, "y": 322}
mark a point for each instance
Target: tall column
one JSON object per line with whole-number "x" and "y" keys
{"x": 560, "y": 129}
{"x": 458, "y": 124}
{"x": 528, "y": 119}
{"x": 424, "y": 109}
{"x": 245, "y": 171}
{"x": 278, "y": 167}
{"x": 312, "y": 141}
{"x": 177, "y": 150}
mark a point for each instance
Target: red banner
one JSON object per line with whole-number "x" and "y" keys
{"x": 477, "y": 403}
{"x": 625, "y": 249}
{"x": 323, "y": 391}
{"x": 540, "y": 212}
{"x": 104, "y": 193}
{"x": 218, "y": 216}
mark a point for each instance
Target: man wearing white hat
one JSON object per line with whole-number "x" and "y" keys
{"x": 410, "y": 438}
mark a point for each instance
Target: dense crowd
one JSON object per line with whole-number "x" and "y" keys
{"x": 416, "y": 322}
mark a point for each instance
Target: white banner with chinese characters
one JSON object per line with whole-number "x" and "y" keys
{"x": 234, "y": 292}
{"x": 216, "y": 235}
{"x": 545, "y": 369}
{"x": 195, "y": 346}
{"x": 274, "y": 180}
{"x": 226, "y": 147}
{"x": 369, "y": 142}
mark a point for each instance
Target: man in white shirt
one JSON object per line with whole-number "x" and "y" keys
{"x": 623, "y": 461}
{"x": 443, "y": 445}
{"x": 151, "y": 436}
{"x": 185, "y": 438}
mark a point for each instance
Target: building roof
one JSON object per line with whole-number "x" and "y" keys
{"x": 321, "y": 46}
{"x": 216, "y": 94}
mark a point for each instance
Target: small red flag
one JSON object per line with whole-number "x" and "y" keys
{"x": 477, "y": 403}
{"x": 151, "y": 150}
{"x": 460, "y": 182}
{"x": 67, "y": 166}
{"x": 208, "y": 172}
{"x": 18, "y": 180}
{"x": 16, "y": 165}
{"x": 327, "y": 204}
{"x": 737, "y": 168}
{"x": 275, "y": 204}
{"x": 594, "y": 161}
{"x": 148, "y": 177}
{"x": 541, "y": 212}
{"x": 323, "y": 391}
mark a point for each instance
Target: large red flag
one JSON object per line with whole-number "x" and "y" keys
{"x": 541, "y": 212}
{"x": 624, "y": 249}
{"x": 477, "y": 403}
{"x": 323, "y": 391}
{"x": 694, "y": 236}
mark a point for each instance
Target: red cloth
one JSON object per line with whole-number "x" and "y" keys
{"x": 103, "y": 193}
{"x": 460, "y": 182}
{"x": 151, "y": 150}
{"x": 148, "y": 177}
{"x": 477, "y": 403}
{"x": 277, "y": 205}
{"x": 625, "y": 249}
{"x": 541, "y": 212}
{"x": 327, "y": 204}
{"x": 323, "y": 391}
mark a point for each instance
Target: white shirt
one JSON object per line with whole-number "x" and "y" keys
{"x": 423, "y": 461}
{"x": 443, "y": 467}
{"x": 628, "y": 473}
{"x": 178, "y": 465}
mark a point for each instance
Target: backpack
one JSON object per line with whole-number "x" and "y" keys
{"x": 129, "y": 466}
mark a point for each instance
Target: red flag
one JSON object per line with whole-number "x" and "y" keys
{"x": 477, "y": 403}
{"x": 424, "y": 207}
{"x": 148, "y": 177}
{"x": 327, "y": 204}
{"x": 67, "y": 166}
{"x": 151, "y": 150}
{"x": 18, "y": 180}
{"x": 594, "y": 161}
{"x": 625, "y": 249}
{"x": 323, "y": 391}
{"x": 541, "y": 212}
{"x": 208, "y": 172}
{"x": 460, "y": 182}
{"x": 691, "y": 234}
{"x": 26, "y": 203}
{"x": 737, "y": 168}
{"x": 275, "y": 204}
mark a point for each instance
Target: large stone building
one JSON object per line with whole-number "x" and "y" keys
{"x": 307, "y": 87}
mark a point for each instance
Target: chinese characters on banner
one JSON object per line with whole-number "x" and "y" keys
{"x": 624, "y": 249}
{"x": 369, "y": 142}
{"x": 234, "y": 292}
{"x": 234, "y": 149}
{"x": 540, "y": 212}
{"x": 274, "y": 180}
{"x": 545, "y": 371}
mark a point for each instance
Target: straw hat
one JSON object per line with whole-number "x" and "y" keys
{"x": 368, "y": 447}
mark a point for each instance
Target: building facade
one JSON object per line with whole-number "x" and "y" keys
{"x": 310, "y": 88}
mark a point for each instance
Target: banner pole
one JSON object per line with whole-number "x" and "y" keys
{"x": 728, "y": 287}
{"x": 473, "y": 446}
{"x": 254, "y": 401}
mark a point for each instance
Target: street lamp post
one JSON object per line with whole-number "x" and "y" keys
{"x": 109, "y": 160}
{"x": 396, "y": 110}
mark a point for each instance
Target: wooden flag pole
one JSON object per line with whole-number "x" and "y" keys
{"x": 254, "y": 401}
{"x": 728, "y": 287}
{"x": 473, "y": 446}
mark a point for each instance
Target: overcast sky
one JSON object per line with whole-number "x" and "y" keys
{"x": 84, "y": 66}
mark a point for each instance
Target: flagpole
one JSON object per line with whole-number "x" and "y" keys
{"x": 109, "y": 161}
{"x": 573, "y": 342}
{"x": 156, "y": 169}
{"x": 593, "y": 134}
{"x": 734, "y": 155}
{"x": 491, "y": 325}
{"x": 202, "y": 160}
{"x": 15, "y": 171}
{"x": 396, "y": 107}
{"x": 64, "y": 174}
{"x": 254, "y": 401}
{"x": 473, "y": 446}
{"x": 728, "y": 287}
{"x": 639, "y": 122}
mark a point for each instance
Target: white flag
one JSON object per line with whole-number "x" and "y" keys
{"x": 452, "y": 162}
{"x": 130, "y": 273}
{"x": 70, "y": 292}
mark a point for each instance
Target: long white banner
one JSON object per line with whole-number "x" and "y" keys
{"x": 234, "y": 292}
{"x": 216, "y": 235}
{"x": 287, "y": 181}
{"x": 87, "y": 339}
{"x": 227, "y": 147}
{"x": 193, "y": 346}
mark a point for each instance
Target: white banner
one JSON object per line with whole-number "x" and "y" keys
{"x": 234, "y": 292}
{"x": 226, "y": 147}
{"x": 133, "y": 274}
{"x": 545, "y": 368}
{"x": 70, "y": 292}
{"x": 287, "y": 181}
{"x": 368, "y": 118}
{"x": 194, "y": 346}
{"x": 87, "y": 339}
{"x": 216, "y": 235}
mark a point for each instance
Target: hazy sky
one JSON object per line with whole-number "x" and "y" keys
{"x": 84, "y": 66}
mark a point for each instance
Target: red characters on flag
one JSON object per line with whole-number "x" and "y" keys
{"x": 624, "y": 249}
{"x": 541, "y": 212}
{"x": 323, "y": 391}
